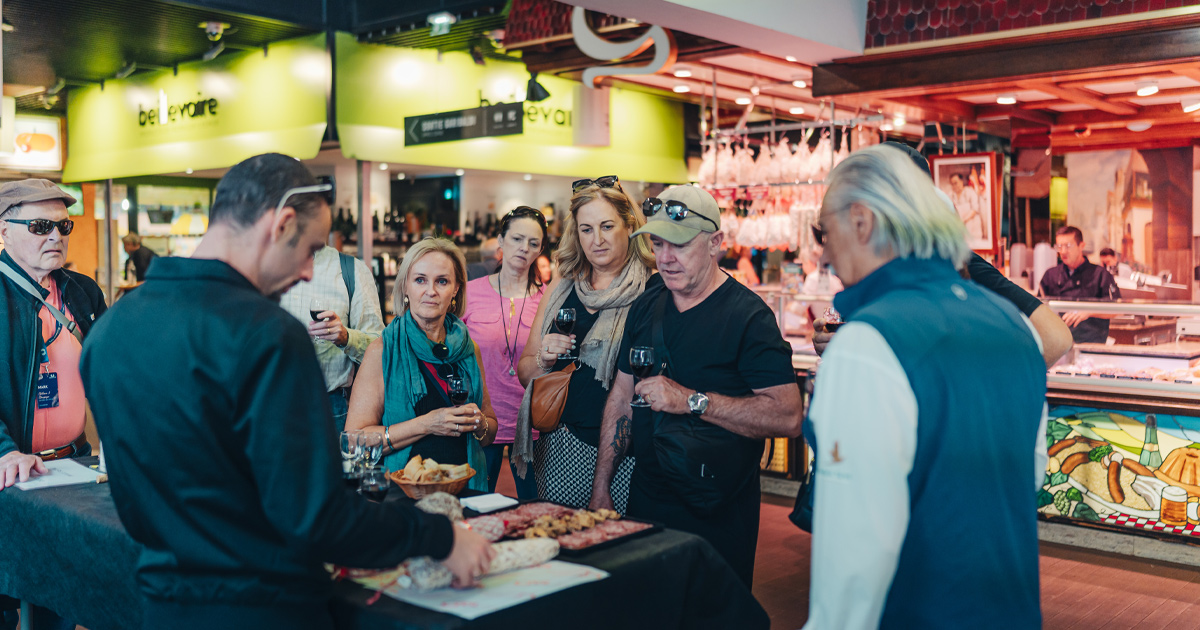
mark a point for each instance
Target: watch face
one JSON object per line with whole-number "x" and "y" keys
{"x": 698, "y": 403}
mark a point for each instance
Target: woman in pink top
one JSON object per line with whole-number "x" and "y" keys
{"x": 500, "y": 309}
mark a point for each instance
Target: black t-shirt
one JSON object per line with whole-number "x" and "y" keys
{"x": 729, "y": 344}
{"x": 985, "y": 274}
{"x": 1087, "y": 282}
{"x": 585, "y": 395}
{"x": 440, "y": 448}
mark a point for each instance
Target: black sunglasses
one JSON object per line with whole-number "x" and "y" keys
{"x": 526, "y": 211}
{"x": 42, "y": 227}
{"x": 608, "y": 181}
{"x": 818, "y": 235}
{"x": 676, "y": 210}
{"x": 441, "y": 352}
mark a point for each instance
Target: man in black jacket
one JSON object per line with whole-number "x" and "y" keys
{"x": 219, "y": 436}
{"x": 41, "y": 395}
{"x": 140, "y": 258}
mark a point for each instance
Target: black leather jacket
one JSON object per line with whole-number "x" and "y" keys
{"x": 20, "y": 338}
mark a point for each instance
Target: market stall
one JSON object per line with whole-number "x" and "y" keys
{"x": 68, "y": 551}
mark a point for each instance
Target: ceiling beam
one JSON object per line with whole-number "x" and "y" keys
{"x": 1177, "y": 43}
{"x": 1174, "y": 135}
{"x": 997, "y": 112}
{"x": 1192, "y": 72}
{"x": 1079, "y": 95}
{"x": 1170, "y": 113}
{"x": 939, "y": 111}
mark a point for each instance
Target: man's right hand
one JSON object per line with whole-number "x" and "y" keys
{"x": 601, "y": 500}
{"x": 470, "y": 558}
{"x": 17, "y": 466}
{"x": 821, "y": 338}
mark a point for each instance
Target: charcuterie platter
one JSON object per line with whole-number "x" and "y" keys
{"x": 577, "y": 531}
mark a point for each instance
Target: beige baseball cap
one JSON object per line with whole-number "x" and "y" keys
{"x": 13, "y": 194}
{"x": 703, "y": 216}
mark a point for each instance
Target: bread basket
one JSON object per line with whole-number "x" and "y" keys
{"x": 418, "y": 491}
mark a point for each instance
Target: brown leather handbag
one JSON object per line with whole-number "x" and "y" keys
{"x": 549, "y": 398}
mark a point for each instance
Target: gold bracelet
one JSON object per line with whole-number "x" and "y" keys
{"x": 541, "y": 365}
{"x": 476, "y": 435}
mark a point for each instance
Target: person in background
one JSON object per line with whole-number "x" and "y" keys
{"x": 818, "y": 279}
{"x": 218, "y": 434}
{"x": 489, "y": 253}
{"x": 500, "y": 310}
{"x": 1055, "y": 335}
{"x": 140, "y": 258}
{"x": 344, "y": 325}
{"x": 404, "y": 389}
{"x": 545, "y": 269}
{"x": 729, "y": 370}
{"x": 1111, "y": 261}
{"x": 603, "y": 269}
{"x": 42, "y": 401}
{"x": 1077, "y": 278}
{"x": 899, "y": 379}
{"x": 746, "y": 266}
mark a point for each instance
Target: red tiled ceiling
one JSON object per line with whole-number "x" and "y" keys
{"x": 905, "y": 7}
{"x": 1041, "y": 7}
{"x": 922, "y": 21}
{"x": 885, "y": 26}
{"x": 972, "y": 14}
{"x": 985, "y": 12}
{"x": 1019, "y": 21}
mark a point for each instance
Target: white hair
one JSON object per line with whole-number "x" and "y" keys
{"x": 911, "y": 220}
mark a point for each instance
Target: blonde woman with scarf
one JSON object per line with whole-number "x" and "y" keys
{"x": 603, "y": 270}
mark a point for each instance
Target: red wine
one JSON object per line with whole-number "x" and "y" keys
{"x": 351, "y": 480}
{"x": 316, "y": 315}
{"x": 375, "y": 493}
{"x": 643, "y": 371}
{"x": 458, "y": 396}
{"x": 564, "y": 326}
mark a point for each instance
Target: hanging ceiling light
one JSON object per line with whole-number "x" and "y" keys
{"x": 682, "y": 89}
{"x": 534, "y": 91}
{"x": 683, "y": 74}
{"x": 440, "y": 22}
{"x": 796, "y": 111}
{"x": 1007, "y": 99}
{"x": 1141, "y": 125}
{"x": 800, "y": 84}
{"x": 745, "y": 100}
{"x": 1146, "y": 88}
{"x": 1190, "y": 105}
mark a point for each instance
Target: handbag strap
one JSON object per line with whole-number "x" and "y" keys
{"x": 59, "y": 316}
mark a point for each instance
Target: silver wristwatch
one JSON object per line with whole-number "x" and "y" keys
{"x": 698, "y": 403}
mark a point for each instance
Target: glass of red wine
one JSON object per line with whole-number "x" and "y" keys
{"x": 316, "y": 306}
{"x": 565, "y": 323}
{"x": 641, "y": 359}
{"x": 374, "y": 484}
{"x": 458, "y": 390}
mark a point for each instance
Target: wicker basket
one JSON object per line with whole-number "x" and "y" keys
{"x": 418, "y": 491}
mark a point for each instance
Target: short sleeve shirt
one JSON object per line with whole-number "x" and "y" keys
{"x": 59, "y": 425}
{"x": 729, "y": 344}
{"x": 987, "y": 276}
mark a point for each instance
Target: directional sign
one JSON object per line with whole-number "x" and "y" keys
{"x": 505, "y": 119}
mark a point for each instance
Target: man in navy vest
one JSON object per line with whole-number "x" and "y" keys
{"x": 927, "y": 463}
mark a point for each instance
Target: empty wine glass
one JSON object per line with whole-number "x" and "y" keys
{"x": 641, "y": 359}
{"x": 565, "y": 323}
{"x": 372, "y": 448}
{"x": 350, "y": 443}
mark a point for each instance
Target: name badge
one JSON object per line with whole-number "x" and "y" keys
{"x": 47, "y": 390}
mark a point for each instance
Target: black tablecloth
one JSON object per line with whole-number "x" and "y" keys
{"x": 65, "y": 548}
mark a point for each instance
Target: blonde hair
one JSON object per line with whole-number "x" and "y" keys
{"x": 572, "y": 263}
{"x": 417, "y": 252}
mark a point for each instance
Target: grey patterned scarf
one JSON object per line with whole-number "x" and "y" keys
{"x": 598, "y": 349}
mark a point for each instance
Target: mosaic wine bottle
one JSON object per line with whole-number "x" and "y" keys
{"x": 1151, "y": 457}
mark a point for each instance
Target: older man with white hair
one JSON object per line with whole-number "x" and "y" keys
{"x": 925, "y": 513}
{"x": 721, "y": 382}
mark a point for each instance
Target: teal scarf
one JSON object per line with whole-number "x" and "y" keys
{"x": 404, "y": 347}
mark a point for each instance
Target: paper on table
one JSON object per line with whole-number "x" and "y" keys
{"x": 63, "y": 472}
{"x": 485, "y": 503}
{"x": 505, "y": 590}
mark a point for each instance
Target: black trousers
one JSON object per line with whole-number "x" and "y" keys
{"x": 175, "y": 616}
{"x": 733, "y": 530}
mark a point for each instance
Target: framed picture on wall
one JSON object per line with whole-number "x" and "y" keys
{"x": 971, "y": 182}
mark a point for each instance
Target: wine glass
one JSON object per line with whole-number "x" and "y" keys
{"x": 374, "y": 484}
{"x": 565, "y": 323}
{"x": 458, "y": 389}
{"x": 351, "y": 447}
{"x": 372, "y": 448}
{"x": 316, "y": 306}
{"x": 641, "y": 359}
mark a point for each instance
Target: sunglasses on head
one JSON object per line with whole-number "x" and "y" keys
{"x": 526, "y": 211}
{"x": 42, "y": 227}
{"x": 305, "y": 190}
{"x": 675, "y": 210}
{"x": 608, "y": 181}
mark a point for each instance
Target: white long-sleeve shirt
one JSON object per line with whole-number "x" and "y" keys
{"x": 864, "y": 414}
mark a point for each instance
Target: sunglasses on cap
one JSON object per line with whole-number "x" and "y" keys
{"x": 42, "y": 227}
{"x": 608, "y": 181}
{"x": 305, "y": 190}
{"x": 675, "y": 210}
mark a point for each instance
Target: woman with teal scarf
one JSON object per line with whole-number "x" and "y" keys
{"x": 402, "y": 389}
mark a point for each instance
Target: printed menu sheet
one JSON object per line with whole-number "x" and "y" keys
{"x": 505, "y": 590}
{"x": 63, "y": 472}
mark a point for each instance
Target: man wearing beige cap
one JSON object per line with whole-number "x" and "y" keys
{"x": 46, "y": 312}
{"x": 721, "y": 383}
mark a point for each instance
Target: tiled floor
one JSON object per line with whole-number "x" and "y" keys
{"x": 1081, "y": 590}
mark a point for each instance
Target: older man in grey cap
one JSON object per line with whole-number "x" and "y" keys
{"x": 46, "y": 312}
{"x": 721, "y": 382}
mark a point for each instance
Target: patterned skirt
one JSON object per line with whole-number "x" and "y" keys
{"x": 564, "y": 467}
